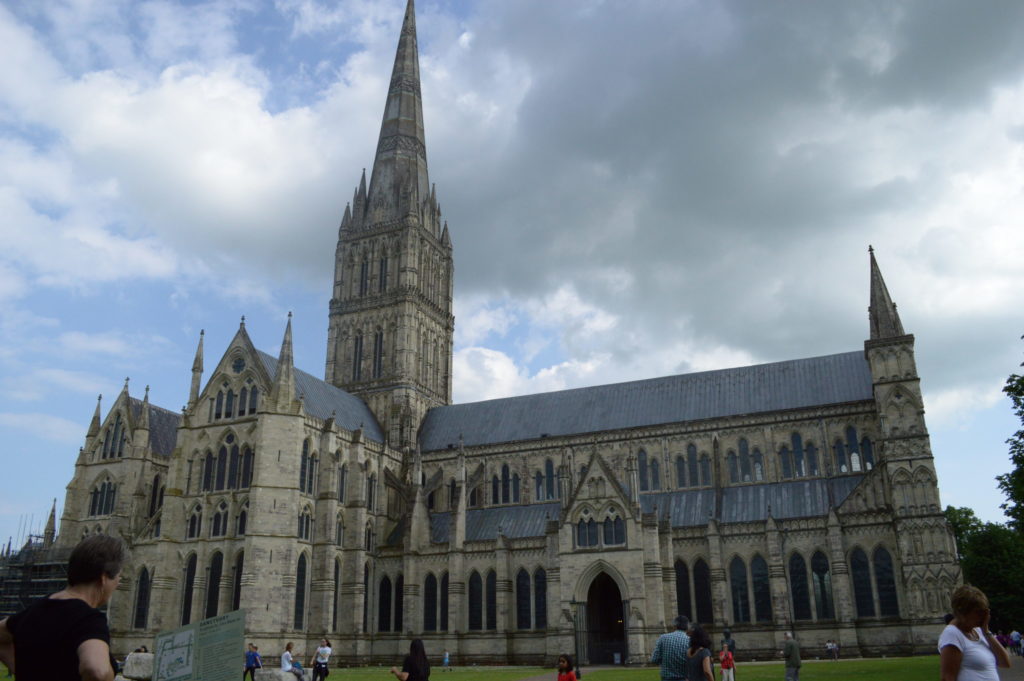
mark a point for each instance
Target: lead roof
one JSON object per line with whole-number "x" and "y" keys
{"x": 793, "y": 384}
{"x": 323, "y": 400}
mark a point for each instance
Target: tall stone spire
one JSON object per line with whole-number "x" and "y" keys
{"x": 882, "y": 315}
{"x": 399, "y": 182}
{"x": 283, "y": 392}
{"x": 197, "y": 372}
{"x": 94, "y": 425}
{"x": 51, "y": 526}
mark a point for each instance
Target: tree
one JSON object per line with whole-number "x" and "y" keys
{"x": 964, "y": 523}
{"x": 1012, "y": 483}
{"x": 993, "y": 561}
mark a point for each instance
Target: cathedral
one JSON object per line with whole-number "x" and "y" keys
{"x": 366, "y": 507}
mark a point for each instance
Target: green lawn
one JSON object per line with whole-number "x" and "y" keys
{"x": 902, "y": 668}
{"x": 457, "y": 674}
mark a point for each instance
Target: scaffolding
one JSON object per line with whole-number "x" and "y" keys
{"x": 34, "y": 571}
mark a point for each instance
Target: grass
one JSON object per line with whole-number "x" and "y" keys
{"x": 874, "y": 669}
{"x": 457, "y": 673}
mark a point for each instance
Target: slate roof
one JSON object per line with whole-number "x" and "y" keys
{"x": 747, "y": 503}
{"x": 163, "y": 426}
{"x": 323, "y": 399}
{"x": 482, "y": 523}
{"x": 794, "y": 384}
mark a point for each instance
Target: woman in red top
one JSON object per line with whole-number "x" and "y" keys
{"x": 565, "y": 672}
{"x": 728, "y": 664}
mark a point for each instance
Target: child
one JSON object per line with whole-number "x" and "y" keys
{"x": 565, "y": 672}
{"x": 728, "y": 663}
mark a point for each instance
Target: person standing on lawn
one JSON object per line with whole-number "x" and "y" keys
{"x": 968, "y": 650}
{"x": 728, "y": 662}
{"x": 791, "y": 653}
{"x": 670, "y": 651}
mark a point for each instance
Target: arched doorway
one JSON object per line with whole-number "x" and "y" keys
{"x": 606, "y": 628}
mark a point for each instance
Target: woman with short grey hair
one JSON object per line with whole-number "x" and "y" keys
{"x": 65, "y": 637}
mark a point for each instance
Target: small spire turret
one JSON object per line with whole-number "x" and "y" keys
{"x": 197, "y": 371}
{"x": 882, "y": 315}
{"x": 283, "y": 392}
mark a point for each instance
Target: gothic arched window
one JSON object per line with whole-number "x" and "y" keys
{"x": 494, "y": 490}
{"x": 840, "y": 456}
{"x": 384, "y": 605}
{"x": 299, "y": 619}
{"x": 539, "y": 484}
{"x": 683, "y": 589}
{"x": 476, "y": 592}
{"x": 364, "y": 277}
{"x": 702, "y": 590}
{"x": 655, "y": 474}
{"x": 522, "y": 599}
{"x": 745, "y": 471}
{"x": 378, "y": 353}
{"x": 506, "y": 484}
{"x": 342, "y": 481}
{"x": 229, "y": 404}
{"x": 798, "y": 587}
{"x": 208, "y": 468}
{"x": 383, "y": 274}
{"x": 142, "y": 600}
{"x": 798, "y": 455}
{"x": 860, "y": 572}
{"x": 641, "y": 465}
{"x": 738, "y": 587}
{"x": 758, "y": 465}
{"x": 399, "y": 602}
{"x": 222, "y": 465}
{"x": 812, "y": 458}
{"x": 430, "y": 603}
{"x": 195, "y": 523}
{"x": 515, "y": 488}
{"x": 236, "y": 585}
{"x": 219, "y": 526}
{"x": 733, "y": 465}
{"x": 885, "y": 584}
{"x": 822, "y": 586}
{"x": 305, "y": 524}
{"x": 337, "y": 593}
{"x": 213, "y": 584}
{"x": 234, "y": 465}
{"x": 247, "y": 465}
{"x": 243, "y": 519}
{"x": 762, "y": 589}
{"x": 254, "y": 394}
{"x": 692, "y": 466}
{"x": 444, "y": 602}
{"x": 853, "y": 449}
{"x": 680, "y": 472}
{"x": 705, "y": 470}
{"x": 785, "y": 462}
{"x": 357, "y": 356}
{"x": 492, "y": 601}
{"x": 188, "y": 590}
{"x": 869, "y": 456}
{"x": 540, "y": 599}
{"x": 549, "y": 473}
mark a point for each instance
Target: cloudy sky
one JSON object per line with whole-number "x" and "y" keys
{"x": 633, "y": 189}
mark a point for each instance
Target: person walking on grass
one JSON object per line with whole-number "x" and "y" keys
{"x": 415, "y": 667}
{"x": 670, "y": 651}
{"x": 791, "y": 653}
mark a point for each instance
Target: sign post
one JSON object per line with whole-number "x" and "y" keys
{"x": 208, "y": 650}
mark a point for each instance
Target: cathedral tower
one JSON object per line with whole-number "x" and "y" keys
{"x": 390, "y": 324}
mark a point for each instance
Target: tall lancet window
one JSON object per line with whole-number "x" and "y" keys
{"x": 364, "y": 277}
{"x": 378, "y": 354}
{"x": 357, "y": 357}
{"x": 383, "y": 282}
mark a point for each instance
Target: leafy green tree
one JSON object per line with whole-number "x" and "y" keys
{"x": 1012, "y": 483}
{"x": 964, "y": 523}
{"x": 993, "y": 560}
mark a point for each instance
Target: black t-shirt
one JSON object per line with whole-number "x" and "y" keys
{"x": 47, "y": 634}
{"x": 416, "y": 671}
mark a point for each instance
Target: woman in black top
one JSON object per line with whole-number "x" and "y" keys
{"x": 415, "y": 667}
{"x": 698, "y": 658}
{"x": 64, "y": 637}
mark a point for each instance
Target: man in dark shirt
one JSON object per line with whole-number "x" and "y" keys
{"x": 64, "y": 637}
